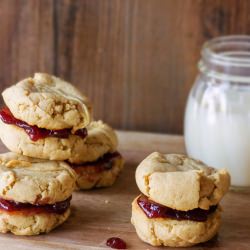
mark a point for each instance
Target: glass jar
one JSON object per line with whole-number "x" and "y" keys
{"x": 217, "y": 118}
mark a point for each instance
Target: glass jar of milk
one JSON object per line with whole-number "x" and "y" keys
{"x": 217, "y": 118}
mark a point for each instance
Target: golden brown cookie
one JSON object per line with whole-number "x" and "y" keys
{"x": 29, "y": 180}
{"x": 30, "y": 224}
{"x": 180, "y": 182}
{"x": 171, "y": 232}
{"x": 48, "y": 102}
{"x": 101, "y": 139}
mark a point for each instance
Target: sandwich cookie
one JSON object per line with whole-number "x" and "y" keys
{"x": 179, "y": 204}
{"x": 46, "y": 118}
{"x": 101, "y": 162}
{"x": 34, "y": 194}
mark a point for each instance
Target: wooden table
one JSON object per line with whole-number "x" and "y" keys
{"x": 103, "y": 213}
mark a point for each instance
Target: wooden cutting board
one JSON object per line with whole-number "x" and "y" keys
{"x": 103, "y": 213}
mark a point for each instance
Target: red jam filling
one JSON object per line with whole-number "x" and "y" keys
{"x": 116, "y": 243}
{"x": 105, "y": 162}
{"x": 27, "y": 208}
{"x": 35, "y": 133}
{"x": 155, "y": 210}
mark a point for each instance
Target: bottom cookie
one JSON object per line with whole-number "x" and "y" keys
{"x": 30, "y": 224}
{"x": 101, "y": 173}
{"x": 173, "y": 233}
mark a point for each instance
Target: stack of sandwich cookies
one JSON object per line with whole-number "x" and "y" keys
{"x": 179, "y": 204}
{"x": 100, "y": 163}
{"x": 46, "y": 117}
{"x": 34, "y": 194}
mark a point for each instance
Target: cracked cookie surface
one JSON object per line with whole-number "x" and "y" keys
{"x": 34, "y": 181}
{"x": 48, "y": 102}
{"x": 173, "y": 233}
{"x": 34, "y": 224}
{"x": 180, "y": 182}
{"x": 100, "y": 140}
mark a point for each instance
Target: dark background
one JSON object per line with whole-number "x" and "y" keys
{"x": 135, "y": 59}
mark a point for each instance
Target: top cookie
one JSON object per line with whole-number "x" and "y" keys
{"x": 30, "y": 180}
{"x": 48, "y": 102}
{"x": 180, "y": 182}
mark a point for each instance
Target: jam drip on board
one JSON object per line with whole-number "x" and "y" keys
{"x": 27, "y": 208}
{"x": 155, "y": 210}
{"x": 35, "y": 133}
{"x": 116, "y": 243}
{"x": 105, "y": 162}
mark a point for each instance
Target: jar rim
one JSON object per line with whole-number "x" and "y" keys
{"x": 233, "y": 50}
{"x": 227, "y": 58}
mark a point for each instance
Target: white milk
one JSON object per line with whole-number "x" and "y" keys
{"x": 217, "y": 130}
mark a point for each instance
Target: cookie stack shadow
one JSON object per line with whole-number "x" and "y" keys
{"x": 55, "y": 147}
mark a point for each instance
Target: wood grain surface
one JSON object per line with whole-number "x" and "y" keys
{"x": 103, "y": 213}
{"x": 135, "y": 59}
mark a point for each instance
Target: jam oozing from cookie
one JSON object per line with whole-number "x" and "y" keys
{"x": 116, "y": 243}
{"x": 27, "y": 208}
{"x": 155, "y": 210}
{"x": 105, "y": 162}
{"x": 35, "y": 133}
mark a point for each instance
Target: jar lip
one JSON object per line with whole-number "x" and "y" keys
{"x": 233, "y": 50}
